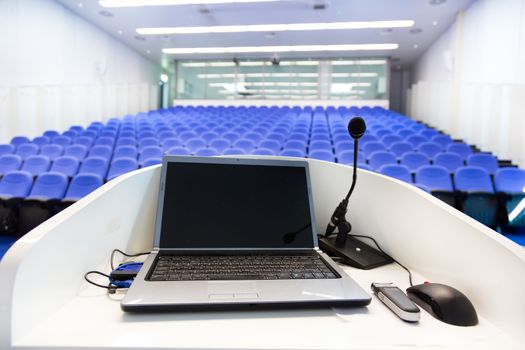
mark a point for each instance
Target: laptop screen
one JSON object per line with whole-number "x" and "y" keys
{"x": 245, "y": 205}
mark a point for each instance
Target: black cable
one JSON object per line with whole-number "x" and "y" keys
{"x": 382, "y": 251}
{"x": 109, "y": 287}
{"x": 125, "y": 254}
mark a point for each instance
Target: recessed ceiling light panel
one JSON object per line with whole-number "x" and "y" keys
{"x": 275, "y": 49}
{"x": 140, "y": 3}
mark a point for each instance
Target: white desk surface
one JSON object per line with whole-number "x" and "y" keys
{"x": 94, "y": 320}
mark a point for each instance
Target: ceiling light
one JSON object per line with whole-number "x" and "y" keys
{"x": 275, "y": 27}
{"x": 273, "y": 49}
{"x": 415, "y": 46}
{"x": 434, "y": 23}
{"x": 120, "y": 32}
{"x": 164, "y": 78}
{"x": 137, "y": 3}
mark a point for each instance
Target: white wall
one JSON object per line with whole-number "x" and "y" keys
{"x": 57, "y": 70}
{"x": 471, "y": 82}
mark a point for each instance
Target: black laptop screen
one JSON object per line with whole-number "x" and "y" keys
{"x": 235, "y": 206}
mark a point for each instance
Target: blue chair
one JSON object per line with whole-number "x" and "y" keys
{"x": 178, "y": 151}
{"x": 509, "y": 183}
{"x": 400, "y": 148}
{"x": 41, "y": 140}
{"x": 397, "y": 171}
{"x": 148, "y": 142}
{"x": 372, "y": 147}
{"x": 194, "y": 144}
{"x": 125, "y": 152}
{"x": 430, "y": 149}
{"x": 320, "y": 145}
{"x": 389, "y": 139}
{"x": 170, "y": 143}
{"x": 429, "y": 133}
{"x": 405, "y": 133}
{"x": 442, "y": 140}
{"x": 247, "y": 145}
{"x": 263, "y": 152}
{"x": 322, "y": 154}
{"x": 484, "y": 160}
{"x": 65, "y": 165}
{"x": 146, "y": 135}
{"x": 342, "y": 146}
{"x": 151, "y": 161}
{"x": 19, "y": 140}
{"x": 347, "y": 158}
{"x": 89, "y": 133}
{"x": 77, "y": 151}
{"x": 206, "y": 152}
{"x": 84, "y": 141}
{"x": 450, "y": 161}
{"x": 150, "y": 152}
{"x": 295, "y": 144}
{"x": 127, "y": 134}
{"x": 76, "y": 128}
{"x": 276, "y": 136}
{"x": 9, "y": 162}
{"x": 460, "y": 148}
{"x": 220, "y": 145}
{"x": 51, "y": 134}
{"x": 27, "y": 149}
{"x": 414, "y": 160}
{"x": 438, "y": 181}
{"x": 81, "y": 185}
{"x": 70, "y": 134}
{"x": 186, "y": 135}
{"x": 166, "y": 135}
{"x": 234, "y": 151}
{"x": 51, "y": 151}
{"x": 292, "y": 152}
{"x": 41, "y": 204}
{"x": 416, "y": 140}
{"x": 94, "y": 165}
{"x": 63, "y": 141}
{"x": 209, "y": 136}
{"x": 274, "y": 145}
{"x": 105, "y": 141}
{"x": 231, "y": 136}
{"x": 35, "y": 165}
{"x": 101, "y": 151}
{"x": 478, "y": 200}
{"x": 126, "y": 141}
{"x": 14, "y": 187}
{"x": 121, "y": 166}
{"x": 380, "y": 158}
{"x": 7, "y": 148}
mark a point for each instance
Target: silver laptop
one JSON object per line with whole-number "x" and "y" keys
{"x": 237, "y": 233}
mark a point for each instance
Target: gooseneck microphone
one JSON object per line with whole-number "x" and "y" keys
{"x": 356, "y": 129}
{"x": 348, "y": 248}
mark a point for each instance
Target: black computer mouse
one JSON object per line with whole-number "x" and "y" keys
{"x": 445, "y": 303}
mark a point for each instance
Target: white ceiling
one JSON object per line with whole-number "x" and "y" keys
{"x": 432, "y": 19}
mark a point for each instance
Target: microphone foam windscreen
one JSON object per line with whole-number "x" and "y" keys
{"x": 356, "y": 127}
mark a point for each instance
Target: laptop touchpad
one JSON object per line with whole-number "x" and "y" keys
{"x": 229, "y": 296}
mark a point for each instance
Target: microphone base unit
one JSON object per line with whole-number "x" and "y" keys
{"x": 354, "y": 252}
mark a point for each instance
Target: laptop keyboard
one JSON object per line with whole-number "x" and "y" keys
{"x": 240, "y": 267}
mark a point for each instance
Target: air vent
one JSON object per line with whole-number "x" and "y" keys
{"x": 415, "y": 30}
{"x": 437, "y": 2}
{"x": 106, "y": 14}
{"x": 139, "y": 38}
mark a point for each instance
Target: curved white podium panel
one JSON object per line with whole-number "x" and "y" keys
{"x": 45, "y": 303}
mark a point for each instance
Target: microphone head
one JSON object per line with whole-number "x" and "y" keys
{"x": 356, "y": 127}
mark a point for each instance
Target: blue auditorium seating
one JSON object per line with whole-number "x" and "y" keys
{"x": 414, "y": 160}
{"x": 379, "y": 158}
{"x": 263, "y": 152}
{"x": 322, "y": 154}
{"x": 71, "y": 134}
{"x": 274, "y": 145}
{"x": 206, "y": 152}
{"x": 194, "y": 144}
{"x": 428, "y": 133}
{"x": 400, "y": 148}
{"x": 388, "y": 140}
{"x": 246, "y": 145}
{"x": 52, "y": 151}
{"x": 178, "y": 151}
{"x": 41, "y": 140}
{"x": 19, "y": 140}
{"x": 65, "y": 165}
{"x": 151, "y": 152}
{"x": 438, "y": 181}
{"x": 77, "y": 151}
{"x": 105, "y": 141}
{"x": 234, "y": 151}
{"x": 101, "y": 151}
{"x": 125, "y": 151}
{"x": 35, "y": 165}
{"x": 295, "y": 144}
{"x": 479, "y": 200}
{"x": 7, "y": 149}
{"x": 186, "y": 135}
{"x": 151, "y": 161}
{"x": 147, "y": 142}
{"x": 347, "y": 158}
{"x": 62, "y": 140}
{"x": 81, "y": 185}
{"x": 51, "y": 134}
{"x": 16, "y": 184}
{"x": 405, "y": 133}
{"x": 292, "y": 152}
{"x": 84, "y": 141}
{"x": 443, "y": 140}
{"x": 460, "y": 148}
{"x": 416, "y": 140}
{"x": 484, "y": 160}
{"x": 371, "y": 147}
{"x": 430, "y": 149}
{"x": 9, "y": 162}
{"x": 510, "y": 184}
{"x": 126, "y": 141}
{"x": 397, "y": 171}
{"x": 451, "y": 161}
{"x": 27, "y": 149}
{"x": 94, "y": 165}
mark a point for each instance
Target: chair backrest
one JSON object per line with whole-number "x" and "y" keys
{"x": 178, "y": 151}
{"x": 35, "y": 165}
{"x": 372, "y": 147}
{"x": 16, "y": 184}
{"x": 292, "y": 152}
{"x": 234, "y": 151}
{"x": 347, "y": 158}
{"x": 510, "y": 180}
{"x": 484, "y": 160}
{"x": 101, "y": 151}
{"x": 50, "y": 185}
{"x": 451, "y": 161}
{"x": 389, "y": 139}
{"x": 77, "y": 151}
{"x": 274, "y": 145}
{"x": 430, "y": 149}
{"x": 94, "y": 165}
{"x": 194, "y": 144}
{"x": 105, "y": 141}
{"x": 416, "y": 140}
{"x": 295, "y": 144}
{"x": 66, "y": 165}
{"x": 400, "y": 148}
{"x": 9, "y": 162}
{"x": 7, "y": 148}
{"x": 473, "y": 179}
{"x": 397, "y": 171}
{"x": 84, "y": 141}
{"x": 206, "y": 152}
{"x": 51, "y": 134}
{"x": 150, "y": 152}
{"x": 81, "y": 185}
{"x": 19, "y": 140}
{"x": 247, "y": 145}
{"x": 125, "y": 152}
{"x": 263, "y": 152}
{"x": 414, "y": 160}
{"x": 460, "y": 148}
{"x": 380, "y": 158}
{"x": 443, "y": 140}
{"x": 52, "y": 151}
{"x": 322, "y": 154}
{"x": 126, "y": 141}
{"x": 27, "y": 149}
{"x": 148, "y": 142}
{"x": 62, "y": 140}
{"x": 434, "y": 177}
{"x": 41, "y": 140}
{"x": 121, "y": 166}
